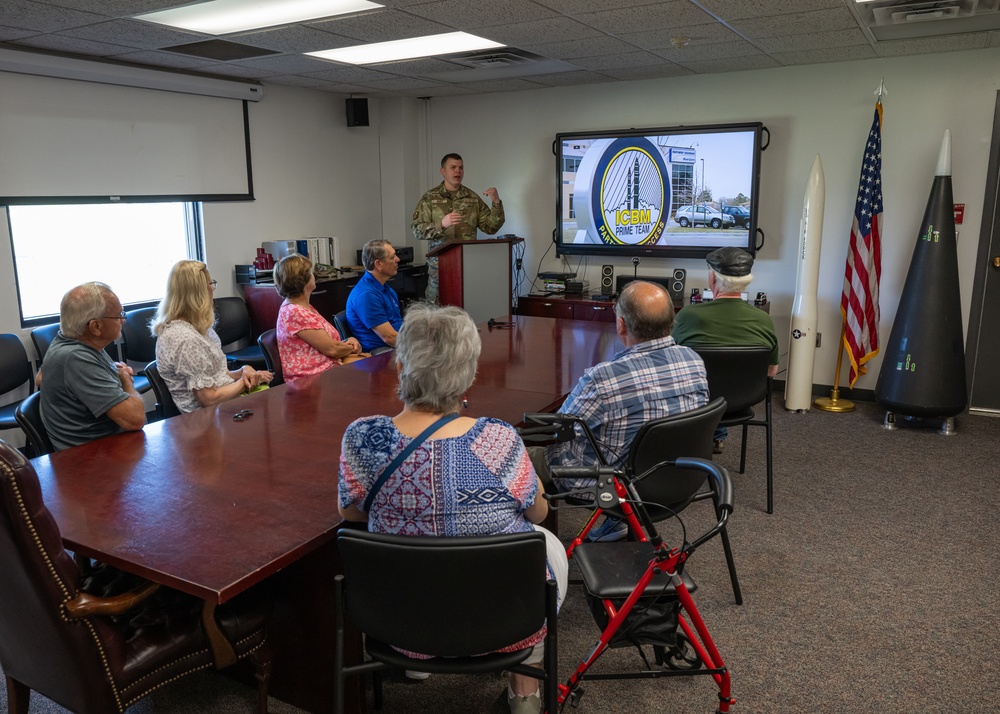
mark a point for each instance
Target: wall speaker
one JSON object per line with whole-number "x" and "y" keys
{"x": 607, "y": 280}
{"x": 357, "y": 112}
{"x": 676, "y": 287}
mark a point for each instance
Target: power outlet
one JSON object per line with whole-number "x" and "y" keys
{"x": 819, "y": 339}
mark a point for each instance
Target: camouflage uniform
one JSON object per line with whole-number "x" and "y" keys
{"x": 435, "y": 205}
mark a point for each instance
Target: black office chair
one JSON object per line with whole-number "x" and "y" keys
{"x": 668, "y": 490}
{"x": 29, "y": 418}
{"x": 139, "y": 344}
{"x": 165, "y": 406}
{"x": 739, "y": 374}
{"x": 15, "y": 373}
{"x": 41, "y": 338}
{"x": 442, "y": 596}
{"x": 340, "y": 322}
{"x": 344, "y": 329}
{"x": 233, "y": 327}
{"x": 268, "y": 341}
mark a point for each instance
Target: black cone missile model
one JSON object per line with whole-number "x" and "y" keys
{"x": 923, "y": 366}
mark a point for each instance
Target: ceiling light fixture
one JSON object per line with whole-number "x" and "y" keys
{"x": 429, "y": 46}
{"x": 221, "y": 17}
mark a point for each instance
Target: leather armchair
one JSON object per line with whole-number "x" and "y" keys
{"x": 83, "y": 643}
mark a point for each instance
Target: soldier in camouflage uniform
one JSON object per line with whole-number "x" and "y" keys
{"x": 453, "y": 212}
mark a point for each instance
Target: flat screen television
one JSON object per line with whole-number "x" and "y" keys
{"x": 678, "y": 192}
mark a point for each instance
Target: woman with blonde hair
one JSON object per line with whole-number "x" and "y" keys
{"x": 307, "y": 342}
{"x": 188, "y": 351}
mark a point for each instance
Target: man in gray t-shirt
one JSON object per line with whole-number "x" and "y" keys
{"x": 85, "y": 395}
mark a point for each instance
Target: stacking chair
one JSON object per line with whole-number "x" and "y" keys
{"x": 268, "y": 341}
{"x": 29, "y": 418}
{"x": 454, "y": 598}
{"x": 15, "y": 373}
{"x": 165, "y": 406}
{"x": 666, "y": 489}
{"x": 233, "y": 327}
{"x": 89, "y": 652}
{"x": 739, "y": 374}
{"x": 139, "y": 344}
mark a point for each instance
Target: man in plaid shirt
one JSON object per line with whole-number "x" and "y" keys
{"x": 652, "y": 377}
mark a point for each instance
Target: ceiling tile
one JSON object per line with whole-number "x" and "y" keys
{"x": 113, "y": 8}
{"x": 731, "y": 64}
{"x": 799, "y": 23}
{"x": 132, "y": 33}
{"x": 828, "y": 54}
{"x": 347, "y": 73}
{"x": 285, "y": 64}
{"x": 230, "y": 69}
{"x": 522, "y": 34}
{"x": 297, "y": 80}
{"x": 470, "y": 15}
{"x": 589, "y": 47}
{"x": 576, "y": 7}
{"x": 502, "y": 85}
{"x": 717, "y": 50}
{"x": 442, "y": 90}
{"x": 815, "y": 40}
{"x": 291, "y": 39}
{"x": 381, "y": 26}
{"x": 651, "y": 72}
{"x": 617, "y": 61}
{"x": 567, "y": 79}
{"x": 698, "y": 34}
{"x": 673, "y": 13}
{"x": 13, "y": 33}
{"x": 736, "y": 9}
{"x": 401, "y": 83}
{"x": 61, "y": 43}
{"x": 28, "y": 15}
{"x": 927, "y": 45}
{"x": 161, "y": 59}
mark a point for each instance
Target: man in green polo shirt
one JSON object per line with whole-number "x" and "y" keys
{"x": 727, "y": 321}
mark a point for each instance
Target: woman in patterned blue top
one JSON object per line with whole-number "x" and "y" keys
{"x": 470, "y": 477}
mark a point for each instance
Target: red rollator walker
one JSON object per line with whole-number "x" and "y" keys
{"x": 638, "y": 590}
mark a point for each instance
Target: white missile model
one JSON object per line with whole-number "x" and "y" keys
{"x": 802, "y": 341}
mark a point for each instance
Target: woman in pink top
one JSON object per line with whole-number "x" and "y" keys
{"x": 307, "y": 343}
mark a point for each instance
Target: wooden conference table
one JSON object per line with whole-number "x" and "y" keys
{"x": 213, "y": 507}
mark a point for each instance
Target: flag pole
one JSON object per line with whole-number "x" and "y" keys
{"x": 834, "y": 403}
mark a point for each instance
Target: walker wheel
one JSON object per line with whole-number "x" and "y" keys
{"x": 683, "y": 657}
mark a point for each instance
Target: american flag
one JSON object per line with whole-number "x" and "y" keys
{"x": 859, "y": 303}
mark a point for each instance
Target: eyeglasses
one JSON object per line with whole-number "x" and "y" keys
{"x": 213, "y": 284}
{"x": 121, "y": 317}
{"x": 242, "y": 414}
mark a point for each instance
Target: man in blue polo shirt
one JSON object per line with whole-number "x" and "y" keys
{"x": 373, "y": 307}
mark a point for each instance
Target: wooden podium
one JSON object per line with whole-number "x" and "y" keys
{"x": 476, "y": 275}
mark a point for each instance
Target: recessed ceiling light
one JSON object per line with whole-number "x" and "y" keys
{"x": 429, "y": 46}
{"x": 220, "y": 17}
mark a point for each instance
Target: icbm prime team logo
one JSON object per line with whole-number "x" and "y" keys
{"x": 630, "y": 198}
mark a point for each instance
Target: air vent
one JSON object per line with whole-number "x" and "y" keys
{"x": 492, "y": 59}
{"x": 219, "y": 50}
{"x": 905, "y": 19}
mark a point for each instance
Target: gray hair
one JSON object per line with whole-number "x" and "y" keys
{"x": 81, "y": 305}
{"x": 374, "y": 250}
{"x": 647, "y": 309}
{"x": 437, "y": 352}
{"x": 731, "y": 283}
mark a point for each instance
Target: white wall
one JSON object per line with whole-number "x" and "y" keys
{"x": 506, "y": 141}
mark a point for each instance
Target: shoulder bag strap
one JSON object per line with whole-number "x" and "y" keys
{"x": 401, "y": 457}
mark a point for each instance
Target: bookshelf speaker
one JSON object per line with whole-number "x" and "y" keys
{"x": 607, "y": 280}
{"x": 676, "y": 286}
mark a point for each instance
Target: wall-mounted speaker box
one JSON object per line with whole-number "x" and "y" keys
{"x": 607, "y": 280}
{"x": 357, "y": 112}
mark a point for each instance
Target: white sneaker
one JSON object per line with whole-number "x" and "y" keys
{"x": 419, "y": 676}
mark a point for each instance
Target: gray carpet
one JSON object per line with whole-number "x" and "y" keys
{"x": 872, "y": 587}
